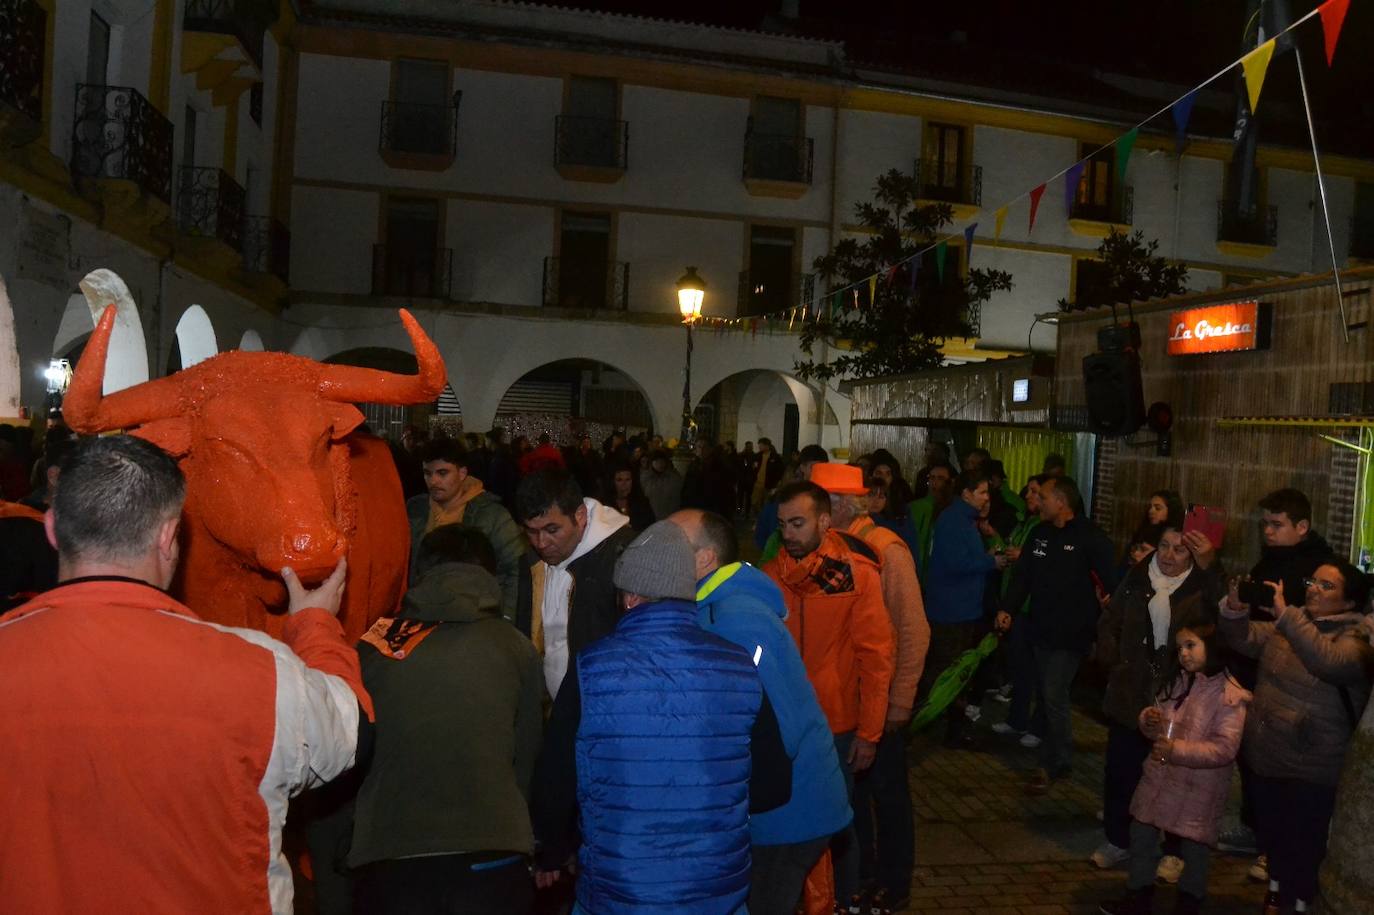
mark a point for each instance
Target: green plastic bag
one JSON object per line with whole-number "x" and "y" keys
{"x": 951, "y": 683}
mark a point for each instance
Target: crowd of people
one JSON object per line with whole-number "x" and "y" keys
{"x": 588, "y": 702}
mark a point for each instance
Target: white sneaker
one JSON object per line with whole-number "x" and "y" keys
{"x": 1029, "y": 741}
{"x": 1259, "y": 870}
{"x": 1108, "y": 856}
{"x": 1004, "y": 729}
{"x": 973, "y": 712}
{"x": 1170, "y": 869}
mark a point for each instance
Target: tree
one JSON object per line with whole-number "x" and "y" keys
{"x": 903, "y": 328}
{"x": 1128, "y": 271}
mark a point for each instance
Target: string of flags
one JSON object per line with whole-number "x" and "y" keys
{"x": 1254, "y": 65}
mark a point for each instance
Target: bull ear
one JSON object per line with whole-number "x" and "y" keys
{"x": 171, "y": 435}
{"x": 345, "y": 418}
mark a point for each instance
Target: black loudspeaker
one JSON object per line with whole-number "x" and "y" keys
{"x": 1116, "y": 401}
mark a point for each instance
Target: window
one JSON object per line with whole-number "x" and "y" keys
{"x": 98, "y": 51}
{"x": 776, "y": 147}
{"x": 942, "y": 163}
{"x": 421, "y": 116}
{"x": 770, "y": 280}
{"x": 1092, "y": 284}
{"x": 589, "y": 132}
{"x": 584, "y": 260}
{"x": 410, "y": 260}
{"x": 1096, "y": 196}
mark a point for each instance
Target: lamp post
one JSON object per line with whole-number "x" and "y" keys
{"x": 691, "y": 289}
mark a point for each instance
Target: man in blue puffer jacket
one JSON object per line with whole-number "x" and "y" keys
{"x": 660, "y": 746}
{"x": 739, "y": 603}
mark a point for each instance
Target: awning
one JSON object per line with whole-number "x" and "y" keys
{"x": 1299, "y": 422}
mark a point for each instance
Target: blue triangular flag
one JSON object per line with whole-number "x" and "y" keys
{"x": 1183, "y": 110}
{"x": 968, "y": 241}
{"x": 1071, "y": 179}
{"x": 915, "y": 264}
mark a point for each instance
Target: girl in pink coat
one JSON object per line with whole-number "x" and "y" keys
{"x": 1196, "y": 726}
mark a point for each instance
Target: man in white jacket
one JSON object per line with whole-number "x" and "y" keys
{"x": 567, "y": 597}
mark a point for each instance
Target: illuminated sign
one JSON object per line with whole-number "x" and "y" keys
{"x": 1234, "y": 327}
{"x": 1020, "y": 390}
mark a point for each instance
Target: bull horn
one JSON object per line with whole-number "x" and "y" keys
{"x": 87, "y": 411}
{"x": 353, "y": 384}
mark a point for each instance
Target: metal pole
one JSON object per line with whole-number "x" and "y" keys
{"x": 684, "y": 440}
{"x": 1321, "y": 188}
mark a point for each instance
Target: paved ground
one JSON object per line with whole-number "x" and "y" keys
{"x": 984, "y": 846}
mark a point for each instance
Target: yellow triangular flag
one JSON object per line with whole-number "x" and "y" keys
{"x": 1255, "y": 64}
{"x": 1000, "y": 216}
{"x": 872, "y": 289}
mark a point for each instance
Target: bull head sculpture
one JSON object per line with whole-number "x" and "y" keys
{"x": 274, "y": 474}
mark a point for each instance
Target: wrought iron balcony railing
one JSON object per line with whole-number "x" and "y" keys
{"x": 403, "y": 270}
{"x": 266, "y": 247}
{"x": 1259, "y": 227}
{"x": 117, "y": 133}
{"x": 429, "y": 130}
{"x": 23, "y": 29}
{"x": 1362, "y": 236}
{"x": 210, "y": 204}
{"x": 246, "y": 20}
{"x": 581, "y": 284}
{"x": 774, "y": 157}
{"x": 1120, "y": 210}
{"x": 949, "y": 182}
{"x": 759, "y": 294}
{"x": 598, "y": 142}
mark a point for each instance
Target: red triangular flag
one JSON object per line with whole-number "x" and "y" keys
{"x": 891, "y": 274}
{"x": 1333, "y": 16}
{"x": 1035, "y": 205}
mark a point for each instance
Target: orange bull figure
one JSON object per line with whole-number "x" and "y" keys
{"x": 276, "y": 473}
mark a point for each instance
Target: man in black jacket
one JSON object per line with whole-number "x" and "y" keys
{"x": 567, "y": 598}
{"x": 1068, "y": 571}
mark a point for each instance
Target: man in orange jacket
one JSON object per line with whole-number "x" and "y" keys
{"x": 835, "y": 612}
{"x": 151, "y": 754}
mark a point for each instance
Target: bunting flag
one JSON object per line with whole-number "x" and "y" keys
{"x": 940, "y": 251}
{"x": 915, "y": 270}
{"x": 872, "y": 291}
{"x": 1333, "y": 16}
{"x": 999, "y": 218}
{"x": 1254, "y": 66}
{"x": 968, "y": 241}
{"x": 1035, "y": 195}
{"x": 1183, "y": 110}
{"x": 1072, "y": 178}
{"x": 838, "y": 304}
{"x": 892, "y": 273}
{"x": 1124, "y": 145}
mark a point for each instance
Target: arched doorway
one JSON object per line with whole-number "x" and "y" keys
{"x": 390, "y": 420}
{"x": 194, "y": 341}
{"x": 572, "y": 397}
{"x": 251, "y": 342}
{"x": 759, "y": 403}
{"x": 127, "y": 361}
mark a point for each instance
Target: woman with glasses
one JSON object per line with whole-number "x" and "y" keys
{"x": 1315, "y": 666}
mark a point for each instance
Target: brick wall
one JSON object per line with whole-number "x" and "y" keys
{"x": 1103, "y": 509}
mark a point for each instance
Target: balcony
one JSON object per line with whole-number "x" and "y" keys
{"x": 1247, "y": 234}
{"x": 23, "y": 27}
{"x": 777, "y": 165}
{"x": 246, "y": 21}
{"x": 412, "y": 273}
{"x": 960, "y": 186}
{"x": 586, "y": 285}
{"x": 210, "y": 205}
{"x": 590, "y": 149}
{"x": 266, "y": 247}
{"x": 759, "y": 294}
{"x": 1362, "y": 237}
{"x": 122, "y": 152}
{"x": 419, "y": 136}
{"x": 1097, "y": 220}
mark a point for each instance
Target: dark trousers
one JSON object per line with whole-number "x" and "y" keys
{"x": 1293, "y": 819}
{"x": 883, "y": 819}
{"x": 1144, "y": 846}
{"x": 844, "y": 845}
{"x": 947, "y": 642}
{"x": 476, "y": 884}
{"x": 1057, "y": 668}
{"x": 779, "y": 875}
{"x": 1025, "y": 679}
{"x": 1127, "y": 750}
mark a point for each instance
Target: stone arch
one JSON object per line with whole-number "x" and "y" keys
{"x": 389, "y": 420}
{"x": 753, "y": 403}
{"x": 251, "y": 342}
{"x": 592, "y": 390}
{"x": 127, "y": 362}
{"x": 195, "y": 339}
{"x": 9, "y": 357}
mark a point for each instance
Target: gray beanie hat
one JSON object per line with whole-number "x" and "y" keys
{"x": 658, "y": 564}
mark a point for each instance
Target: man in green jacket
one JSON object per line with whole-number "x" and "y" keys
{"x": 457, "y": 497}
{"x": 924, "y": 511}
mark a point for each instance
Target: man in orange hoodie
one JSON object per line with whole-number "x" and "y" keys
{"x": 831, "y": 584}
{"x": 882, "y": 811}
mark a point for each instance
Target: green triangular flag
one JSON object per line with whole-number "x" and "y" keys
{"x": 1124, "y": 144}
{"x": 940, "y": 251}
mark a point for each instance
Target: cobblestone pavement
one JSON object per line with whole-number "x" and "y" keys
{"x": 984, "y": 846}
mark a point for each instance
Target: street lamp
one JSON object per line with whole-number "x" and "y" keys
{"x": 691, "y": 289}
